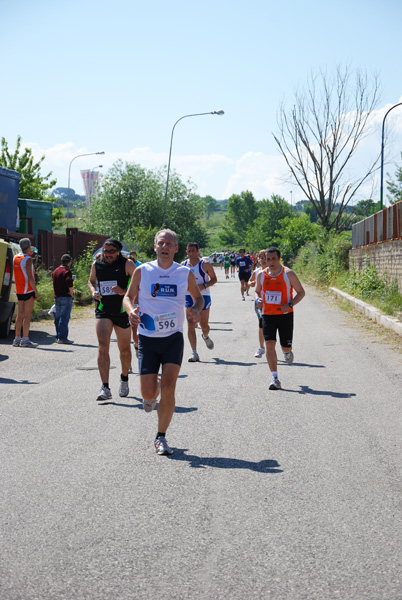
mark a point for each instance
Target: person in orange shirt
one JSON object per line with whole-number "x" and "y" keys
{"x": 274, "y": 295}
{"x": 24, "y": 276}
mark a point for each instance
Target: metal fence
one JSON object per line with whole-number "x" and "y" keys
{"x": 382, "y": 226}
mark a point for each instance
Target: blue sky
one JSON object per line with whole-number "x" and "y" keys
{"x": 83, "y": 76}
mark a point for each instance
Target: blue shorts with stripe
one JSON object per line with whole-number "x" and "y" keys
{"x": 207, "y": 302}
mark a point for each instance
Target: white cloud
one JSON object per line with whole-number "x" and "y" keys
{"x": 220, "y": 175}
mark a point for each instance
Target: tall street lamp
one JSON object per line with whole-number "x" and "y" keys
{"x": 382, "y": 154}
{"x": 215, "y": 112}
{"x": 69, "y": 172}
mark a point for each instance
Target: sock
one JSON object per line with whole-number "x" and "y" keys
{"x": 274, "y": 374}
{"x": 194, "y": 352}
{"x": 159, "y": 434}
{"x": 106, "y": 384}
{"x": 124, "y": 377}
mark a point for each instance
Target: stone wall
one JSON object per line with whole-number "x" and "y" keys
{"x": 386, "y": 256}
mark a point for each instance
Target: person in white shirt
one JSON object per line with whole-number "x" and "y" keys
{"x": 160, "y": 288}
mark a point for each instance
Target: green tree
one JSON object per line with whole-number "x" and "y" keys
{"x": 33, "y": 185}
{"x": 130, "y": 206}
{"x": 365, "y": 208}
{"x": 262, "y": 232}
{"x": 293, "y": 233}
{"x": 242, "y": 211}
{"x": 394, "y": 187}
{"x": 210, "y": 205}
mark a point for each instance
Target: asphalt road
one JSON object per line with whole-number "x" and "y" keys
{"x": 292, "y": 494}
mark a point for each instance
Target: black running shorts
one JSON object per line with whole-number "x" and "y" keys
{"x": 283, "y": 324}
{"x": 156, "y": 351}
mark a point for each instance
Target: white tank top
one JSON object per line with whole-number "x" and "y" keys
{"x": 161, "y": 299}
{"x": 200, "y": 275}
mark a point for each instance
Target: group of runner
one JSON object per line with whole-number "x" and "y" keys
{"x": 152, "y": 299}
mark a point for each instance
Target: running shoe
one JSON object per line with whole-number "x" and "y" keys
{"x": 27, "y": 344}
{"x": 104, "y": 394}
{"x": 149, "y": 405}
{"x": 17, "y": 341}
{"x": 288, "y": 357}
{"x": 161, "y": 447}
{"x": 243, "y": 298}
{"x": 275, "y": 384}
{"x": 60, "y": 341}
{"x": 259, "y": 352}
{"x": 194, "y": 358}
{"x": 123, "y": 390}
{"x": 208, "y": 342}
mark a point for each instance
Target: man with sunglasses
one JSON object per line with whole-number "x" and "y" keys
{"x": 108, "y": 282}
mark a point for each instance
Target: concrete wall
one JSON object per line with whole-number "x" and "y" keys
{"x": 387, "y": 258}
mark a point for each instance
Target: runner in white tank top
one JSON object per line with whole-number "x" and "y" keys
{"x": 159, "y": 289}
{"x": 205, "y": 277}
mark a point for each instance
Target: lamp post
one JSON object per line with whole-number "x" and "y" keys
{"x": 382, "y": 154}
{"x": 215, "y": 112}
{"x": 69, "y": 172}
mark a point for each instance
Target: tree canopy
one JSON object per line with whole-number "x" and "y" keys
{"x": 394, "y": 186}
{"x": 33, "y": 185}
{"x": 130, "y": 207}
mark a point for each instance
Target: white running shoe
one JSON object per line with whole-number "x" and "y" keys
{"x": 27, "y": 344}
{"x": 149, "y": 405}
{"x": 161, "y": 447}
{"x": 208, "y": 342}
{"x": 17, "y": 341}
{"x": 243, "y": 298}
{"x": 194, "y": 358}
{"x": 104, "y": 394}
{"x": 259, "y": 352}
{"x": 123, "y": 390}
{"x": 275, "y": 384}
{"x": 288, "y": 357}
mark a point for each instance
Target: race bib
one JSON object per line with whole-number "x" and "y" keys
{"x": 106, "y": 288}
{"x": 273, "y": 297}
{"x": 166, "y": 322}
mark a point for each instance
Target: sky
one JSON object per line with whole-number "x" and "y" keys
{"x": 83, "y": 76}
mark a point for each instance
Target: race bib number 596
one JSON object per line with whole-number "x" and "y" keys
{"x": 167, "y": 322}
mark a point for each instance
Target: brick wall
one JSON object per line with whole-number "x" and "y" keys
{"x": 386, "y": 256}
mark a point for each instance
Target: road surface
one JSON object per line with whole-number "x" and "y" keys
{"x": 291, "y": 494}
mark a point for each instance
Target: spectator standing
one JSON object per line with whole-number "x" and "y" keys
{"x": 63, "y": 298}
{"x": 24, "y": 275}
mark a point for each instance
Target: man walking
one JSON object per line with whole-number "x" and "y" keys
{"x": 24, "y": 276}
{"x": 205, "y": 277}
{"x": 274, "y": 295}
{"x": 161, "y": 287}
{"x": 108, "y": 282}
{"x": 63, "y": 298}
{"x": 244, "y": 266}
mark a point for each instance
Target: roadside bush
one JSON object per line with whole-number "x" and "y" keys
{"x": 323, "y": 260}
{"x": 81, "y": 268}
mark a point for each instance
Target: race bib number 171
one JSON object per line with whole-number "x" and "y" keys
{"x": 273, "y": 297}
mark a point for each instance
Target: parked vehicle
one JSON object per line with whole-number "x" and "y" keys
{"x": 8, "y": 296}
{"x": 214, "y": 258}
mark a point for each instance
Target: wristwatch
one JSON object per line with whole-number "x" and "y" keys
{"x": 290, "y": 304}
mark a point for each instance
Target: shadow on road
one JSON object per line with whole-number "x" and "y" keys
{"x": 305, "y": 389}
{"x": 220, "y": 361}
{"x": 22, "y": 382}
{"x": 4, "y": 357}
{"x": 199, "y": 462}
{"x": 178, "y": 409}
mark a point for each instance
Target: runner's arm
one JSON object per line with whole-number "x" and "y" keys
{"x": 31, "y": 278}
{"x": 209, "y": 270}
{"x": 258, "y": 292}
{"x": 92, "y": 283}
{"x": 298, "y": 288}
{"x": 131, "y": 296}
{"x": 193, "y": 313}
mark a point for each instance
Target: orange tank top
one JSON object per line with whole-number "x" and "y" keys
{"x": 275, "y": 291}
{"x": 21, "y": 275}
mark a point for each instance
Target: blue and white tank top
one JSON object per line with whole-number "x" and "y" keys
{"x": 161, "y": 299}
{"x": 200, "y": 275}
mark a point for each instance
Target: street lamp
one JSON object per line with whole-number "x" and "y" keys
{"x": 69, "y": 172}
{"x": 215, "y": 112}
{"x": 382, "y": 154}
